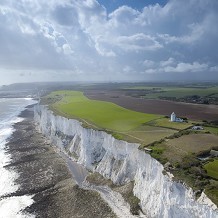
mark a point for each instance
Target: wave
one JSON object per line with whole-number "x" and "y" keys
{"x": 9, "y": 116}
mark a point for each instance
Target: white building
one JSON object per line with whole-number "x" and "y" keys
{"x": 173, "y": 118}
{"x": 197, "y": 128}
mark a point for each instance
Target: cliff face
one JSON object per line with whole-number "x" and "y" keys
{"x": 122, "y": 162}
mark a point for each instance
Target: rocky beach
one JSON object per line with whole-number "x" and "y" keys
{"x": 45, "y": 175}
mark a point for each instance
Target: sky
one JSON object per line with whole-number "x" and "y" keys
{"x": 108, "y": 40}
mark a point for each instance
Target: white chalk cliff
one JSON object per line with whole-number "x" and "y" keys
{"x": 121, "y": 162}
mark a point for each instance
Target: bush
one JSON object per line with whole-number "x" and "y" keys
{"x": 184, "y": 118}
{"x": 215, "y": 122}
{"x": 134, "y": 205}
{"x": 177, "y": 165}
{"x": 189, "y": 161}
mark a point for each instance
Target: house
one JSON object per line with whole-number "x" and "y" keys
{"x": 211, "y": 154}
{"x": 214, "y": 153}
{"x": 197, "y": 128}
{"x": 173, "y": 118}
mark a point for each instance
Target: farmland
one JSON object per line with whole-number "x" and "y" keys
{"x": 176, "y": 92}
{"x": 213, "y": 130}
{"x": 181, "y": 153}
{"x": 104, "y": 115}
{"x": 176, "y": 149}
{"x": 212, "y": 169}
{"x": 179, "y": 91}
{"x": 146, "y": 134}
{"x": 155, "y": 106}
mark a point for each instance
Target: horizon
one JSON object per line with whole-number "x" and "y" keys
{"x": 181, "y": 82}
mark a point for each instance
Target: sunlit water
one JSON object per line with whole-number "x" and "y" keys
{"x": 10, "y": 207}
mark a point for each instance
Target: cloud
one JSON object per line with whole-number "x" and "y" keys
{"x": 148, "y": 63}
{"x": 138, "y": 42}
{"x": 168, "y": 62}
{"x": 173, "y": 66}
{"x": 57, "y": 37}
{"x": 187, "y": 67}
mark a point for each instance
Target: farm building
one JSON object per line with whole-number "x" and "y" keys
{"x": 214, "y": 153}
{"x": 197, "y": 128}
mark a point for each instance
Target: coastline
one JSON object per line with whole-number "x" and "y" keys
{"x": 45, "y": 175}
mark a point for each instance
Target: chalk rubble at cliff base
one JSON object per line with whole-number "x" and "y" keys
{"x": 123, "y": 162}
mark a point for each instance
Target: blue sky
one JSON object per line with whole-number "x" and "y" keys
{"x": 111, "y": 5}
{"x": 81, "y": 40}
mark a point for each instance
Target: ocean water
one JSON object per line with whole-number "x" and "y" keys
{"x": 10, "y": 207}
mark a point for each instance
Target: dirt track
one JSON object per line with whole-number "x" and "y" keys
{"x": 191, "y": 111}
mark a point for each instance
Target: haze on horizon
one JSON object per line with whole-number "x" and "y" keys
{"x": 117, "y": 40}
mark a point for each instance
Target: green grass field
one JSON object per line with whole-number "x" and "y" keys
{"x": 151, "y": 135}
{"x": 145, "y": 134}
{"x": 212, "y": 130}
{"x": 102, "y": 114}
{"x": 164, "y": 122}
{"x": 212, "y": 169}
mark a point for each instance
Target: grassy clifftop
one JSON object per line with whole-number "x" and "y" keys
{"x": 102, "y": 114}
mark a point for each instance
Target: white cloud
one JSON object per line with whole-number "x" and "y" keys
{"x": 67, "y": 49}
{"x": 138, "y": 42}
{"x": 151, "y": 71}
{"x": 168, "y": 62}
{"x": 214, "y": 69}
{"x": 61, "y": 36}
{"x": 122, "y": 16}
{"x": 148, "y": 63}
{"x": 173, "y": 66}
{"x": 187, "y": 67}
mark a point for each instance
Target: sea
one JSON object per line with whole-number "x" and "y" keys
{"x": 11, "y": 207}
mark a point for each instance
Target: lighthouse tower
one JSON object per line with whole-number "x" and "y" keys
{"x": 173, "y": 117}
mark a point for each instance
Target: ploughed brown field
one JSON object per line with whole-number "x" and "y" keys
{"x": 191, "y": 111}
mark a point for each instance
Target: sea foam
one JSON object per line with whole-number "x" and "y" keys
{"x": 10, "y": 207}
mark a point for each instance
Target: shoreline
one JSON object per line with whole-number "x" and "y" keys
{"x": 44, "y": 174}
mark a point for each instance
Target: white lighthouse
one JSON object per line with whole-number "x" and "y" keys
{"x": 173, "y": 117}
